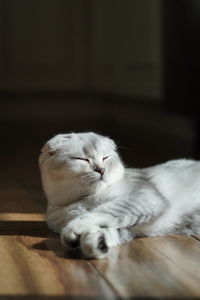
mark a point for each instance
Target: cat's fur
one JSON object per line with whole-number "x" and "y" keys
{"x": 95, "y": 203}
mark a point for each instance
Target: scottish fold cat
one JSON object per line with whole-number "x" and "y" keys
{"x": 96, "y": 203}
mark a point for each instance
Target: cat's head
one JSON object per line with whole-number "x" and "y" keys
{"x": 85, "y": 159}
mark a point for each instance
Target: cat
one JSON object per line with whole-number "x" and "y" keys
{"x": 95, "y": 202}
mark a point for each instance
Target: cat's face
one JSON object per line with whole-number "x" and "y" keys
{"x": 89, "y": 159}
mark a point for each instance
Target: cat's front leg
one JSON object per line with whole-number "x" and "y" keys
{"x": 58, "y": 217}
{"x": 88, "y": 222}
{"x": 110, "y": 215}
{"x": 71, "y": 233}
{"x": 95, "y": 242}
{"x": 92, "y": 241}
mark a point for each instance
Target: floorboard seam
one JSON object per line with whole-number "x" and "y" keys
{"x": 195, "y": 237}
{"x": 164, "y": 254}
{"x": 115, "y": 292}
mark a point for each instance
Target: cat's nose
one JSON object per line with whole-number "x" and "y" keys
{"x": 99, "y": 170}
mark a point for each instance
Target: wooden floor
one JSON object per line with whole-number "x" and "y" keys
{"x": 34, "y": 264}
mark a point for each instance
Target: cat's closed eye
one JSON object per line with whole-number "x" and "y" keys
{"x": 104, "y": 158}
{"x": 86, "y": 159}
{"x": 80, "y": 158}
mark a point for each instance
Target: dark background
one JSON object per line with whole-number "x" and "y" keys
{"x": 124, "y": 68}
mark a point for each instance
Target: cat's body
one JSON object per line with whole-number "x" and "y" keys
{"x": 94, "y": 202}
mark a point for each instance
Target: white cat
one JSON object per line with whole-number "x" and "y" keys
{"x": 97, "y": 203}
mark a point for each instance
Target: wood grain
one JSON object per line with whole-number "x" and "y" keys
{"x": 40, "y": 266}
{"x": 154, "y": 267}
{"x": 22, "y": 217}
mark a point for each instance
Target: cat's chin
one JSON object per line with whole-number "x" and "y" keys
{"x": 100, "y": 182}
{"x": 99, "y": 185}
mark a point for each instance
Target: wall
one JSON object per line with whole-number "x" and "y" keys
{"x": 92, "y": 45}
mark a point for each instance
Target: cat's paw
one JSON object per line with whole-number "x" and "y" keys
{"x": 69, "y": 238}
{"x": 70, "y": 235}
{"x": 94, "y": 244}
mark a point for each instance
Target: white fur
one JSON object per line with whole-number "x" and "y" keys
{"x": 121, "y": 203}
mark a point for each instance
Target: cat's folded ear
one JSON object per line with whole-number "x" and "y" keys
{"x": 112, "y": 144}
{"x": 52, "y": 145}
{"x": 47, "y": 150}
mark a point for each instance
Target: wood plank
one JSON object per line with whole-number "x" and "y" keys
{"x": 154, "y": 267}
{"x": 22, "y": 222}
{"x": 41, "y": 266}
{"x": 22, "y": 216}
